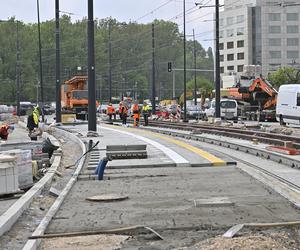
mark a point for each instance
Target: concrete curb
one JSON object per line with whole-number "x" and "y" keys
{"x": 9, "y": 218}
{"x": 243, "y": 148}
{"x": 40, "y": 230}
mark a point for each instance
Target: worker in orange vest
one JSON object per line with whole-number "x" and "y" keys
{"x": 136, "y": 114}
{"x": 120, "y": 110}
{"x": 111, "y": 111}
{"x": 5, "y": 130}
{"x": 123, "y": 111}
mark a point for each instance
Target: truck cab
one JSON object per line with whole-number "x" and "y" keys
{"x": 74, "y": 96}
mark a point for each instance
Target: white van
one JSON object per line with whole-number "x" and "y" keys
{"x": 228, "y": 107}
{"x": 288, "y": 104}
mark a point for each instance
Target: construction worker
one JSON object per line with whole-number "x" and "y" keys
{"x": 146, "y": 113}
{"x": 120, "y": 110}
{"x": 5, "y": 130}
{"x": 33, "y": 120}
{"x": 136, "y": 114}
{"x": 111, "y": 111}
{"x": 123, "y": 111}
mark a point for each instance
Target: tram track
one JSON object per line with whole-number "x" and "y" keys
{"x": 286, "y": 188}
{"x": 264, "y": 137}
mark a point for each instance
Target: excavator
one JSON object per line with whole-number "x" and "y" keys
{"x": 256, "y": 102}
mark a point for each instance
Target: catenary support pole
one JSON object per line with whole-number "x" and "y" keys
{"x": 57, "y": 65}
{"x": 18, "y": 71}
{"x": 153, "y": 71}
{"x": 217, "y": 64}
{"x": 184, "y": 65}
{"x": 195, "y": 66}
{"x": 109, "y": 64}
{"x": 92, "y": 125}
{"x": 174, "y": 83}
{"x": 40, "y": 58}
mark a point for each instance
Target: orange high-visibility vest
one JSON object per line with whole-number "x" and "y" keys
{"x": 110, "y": 110}
{"x": 135, "y": 108}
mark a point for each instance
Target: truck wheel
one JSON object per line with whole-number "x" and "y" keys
{"x": 282, "y": 123}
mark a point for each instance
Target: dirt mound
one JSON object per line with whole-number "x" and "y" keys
{"x": 276, "y": 241}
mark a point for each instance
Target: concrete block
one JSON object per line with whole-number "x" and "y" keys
{"x": 54, "y": 192}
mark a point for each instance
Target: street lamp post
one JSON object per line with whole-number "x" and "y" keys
{"x": 218, "y": 80}
{"x": 18, "y": 71}
{"x": 57, "y": 65}
{"x": 184, "y": 65}
{"x": 217, "y": 56}
{"x": 40, "y": 58}
{"x": 195, "y": 72}
{"x": 92, "y": 124}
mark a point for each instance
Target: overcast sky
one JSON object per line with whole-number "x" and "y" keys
{"x": 122, "y": 10}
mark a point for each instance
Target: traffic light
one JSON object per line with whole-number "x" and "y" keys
{"x": 169, "y": 67}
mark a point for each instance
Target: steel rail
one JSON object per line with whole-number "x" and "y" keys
{"x": 265, "y": 137}
{"x": 264, "y": 171}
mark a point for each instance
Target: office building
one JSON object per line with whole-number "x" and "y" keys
{"x": 259, "y": 32}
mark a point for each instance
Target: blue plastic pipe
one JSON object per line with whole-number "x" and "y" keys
{"x": 100, "y": 168}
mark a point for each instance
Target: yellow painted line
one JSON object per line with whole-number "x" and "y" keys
{"x": 211, "y": 158}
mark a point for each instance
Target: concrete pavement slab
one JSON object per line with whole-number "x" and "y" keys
{"x": 163, "y": 198}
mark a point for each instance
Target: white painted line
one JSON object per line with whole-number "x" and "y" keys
{"x": 175, "y": 157}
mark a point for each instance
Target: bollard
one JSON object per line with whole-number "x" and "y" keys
{"x": 90, "y": 144}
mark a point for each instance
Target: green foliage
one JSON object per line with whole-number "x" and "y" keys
{"x": 131, "y": 57}
{"x": 204, "y": 86}
{"x": 285, "y": 75}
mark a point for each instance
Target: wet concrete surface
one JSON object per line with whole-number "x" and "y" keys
{"x": 163, "y": 199}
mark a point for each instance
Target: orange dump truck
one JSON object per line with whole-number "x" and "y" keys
{"x": 74, "y": 97}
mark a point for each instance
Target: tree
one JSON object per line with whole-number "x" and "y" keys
{"x": 203, "y": 85}
{"x": 285, "y": 75}
{"x": 131, "y": 57}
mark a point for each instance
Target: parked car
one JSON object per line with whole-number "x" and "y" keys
{"x": 228, "y": 108}
{"x": 25, "y": 108}
{"x": 102, "y": 108}
{"x": 194, "y": 112}
{"x": 48, "y": 109}
{"x": 288, "y": 104}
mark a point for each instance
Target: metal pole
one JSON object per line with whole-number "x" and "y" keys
{"x": 37, "y": 92}
{"x": 217, "y": 77}
{"x": 109, "y": 63}
{"x": 153, "y": 71}
{"x": 18, "y": 71}
{"x": 184, "y": 65}
{"x": 57, "y": 65}
{"x": 92, "y": 124}
{"x": 40, "y": 57}
{"x": 195, "y": 72}
{"x": 174, "y": 82}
